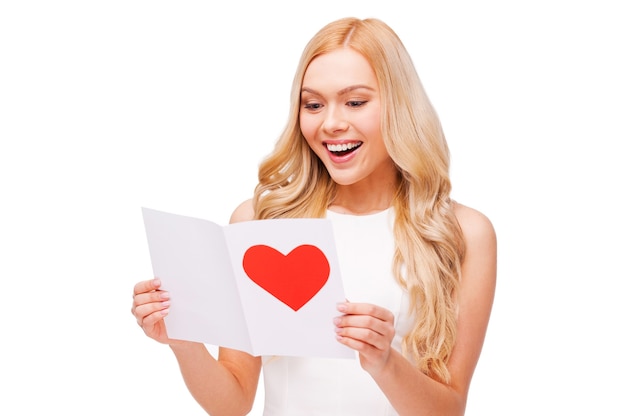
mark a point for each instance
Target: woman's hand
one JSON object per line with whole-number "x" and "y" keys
{"x": 367, "y": 329}
{"x": 150, "y": 306}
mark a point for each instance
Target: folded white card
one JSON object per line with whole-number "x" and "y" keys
{"x": 267, "y": 287}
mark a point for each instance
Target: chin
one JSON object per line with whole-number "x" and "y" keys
{"x": 343, "y": 180}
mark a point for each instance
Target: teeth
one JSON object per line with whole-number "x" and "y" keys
{"x": 341, "y": 147}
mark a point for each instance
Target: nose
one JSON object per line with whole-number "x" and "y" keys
{"x": 335, "y": 120}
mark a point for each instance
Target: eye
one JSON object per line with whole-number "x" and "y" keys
{"x": 312, "y": 106}
{"x": 356, "y": 103}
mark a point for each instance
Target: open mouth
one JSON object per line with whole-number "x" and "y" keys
{"x": 343, "y": 149}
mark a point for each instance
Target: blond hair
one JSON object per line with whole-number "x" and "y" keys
{"x": 293, "y": 182}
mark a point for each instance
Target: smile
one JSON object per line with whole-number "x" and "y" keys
{"x": 343, "y": 149}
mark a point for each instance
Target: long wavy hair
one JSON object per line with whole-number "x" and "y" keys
{"x": 293, "y": 183}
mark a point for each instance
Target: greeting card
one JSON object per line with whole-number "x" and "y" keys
{"x": 267, "y": 287}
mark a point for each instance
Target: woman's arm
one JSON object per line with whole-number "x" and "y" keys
{"x": 226, "y": 386}
{"x": 369, "y": 330}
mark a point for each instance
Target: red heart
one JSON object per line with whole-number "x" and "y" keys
{"x": 293, "y": 279}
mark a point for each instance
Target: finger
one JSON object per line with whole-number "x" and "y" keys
{"x": 383, "y": 328}
{"x": 151, "y": 297}
{"x": 368, "y": 336}
{"x": 150, "y": 313}
{"x": 146, "y": 286}
{"x": 362, "y": 340}
{"x": 366, "y": 309}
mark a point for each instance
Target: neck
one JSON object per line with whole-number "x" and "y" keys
{"x": 350, "y": 200}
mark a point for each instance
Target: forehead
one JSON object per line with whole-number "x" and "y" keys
{"x": 339, "y": 68}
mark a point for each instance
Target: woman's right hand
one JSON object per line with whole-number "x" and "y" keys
{"x": 150, "y": 306}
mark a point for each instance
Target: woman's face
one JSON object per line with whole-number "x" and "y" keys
{"x": 340, "y": 118}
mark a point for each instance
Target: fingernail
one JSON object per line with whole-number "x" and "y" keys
{"x": 341, "y": 307}
{"x": 164, "y": 295}
{"x": 156, "y": 282}
{"x": 337, "y": 321}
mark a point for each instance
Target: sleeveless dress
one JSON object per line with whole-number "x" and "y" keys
{"x": 302, "y": 386}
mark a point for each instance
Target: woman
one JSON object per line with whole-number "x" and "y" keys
{"x": 364, "y": 148}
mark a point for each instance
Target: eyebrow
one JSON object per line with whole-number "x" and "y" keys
{"x": 340, "y": 92}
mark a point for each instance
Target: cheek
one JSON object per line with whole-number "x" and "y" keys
{"x": 308, "y": 129}
{"x": 372, "y": 129}
{"x": 369, "y": 125}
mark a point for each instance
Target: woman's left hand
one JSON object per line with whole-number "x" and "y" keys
{"x": 367, "y": 329}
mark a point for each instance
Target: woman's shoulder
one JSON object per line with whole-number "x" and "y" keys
{"x": 481, "y": 248}
{"x": 474, "y": 224}
{"x": 243, "y": 212}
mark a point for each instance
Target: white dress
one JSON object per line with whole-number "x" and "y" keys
{"x": 297, "y": 386}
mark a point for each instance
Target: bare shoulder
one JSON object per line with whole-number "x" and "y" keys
{"x": 480, "y": 260}
{"x": 243, "y": 212}
{"x": 476, "y": 226}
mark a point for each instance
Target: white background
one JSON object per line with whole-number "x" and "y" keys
{"x": 107, "y": 106}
